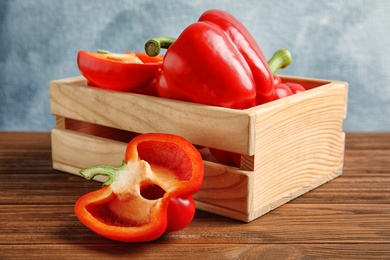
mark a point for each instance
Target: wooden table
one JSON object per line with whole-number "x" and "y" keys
{"x": 348, "y": 217}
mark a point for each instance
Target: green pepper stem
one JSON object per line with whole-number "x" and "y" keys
{"x": 154, "y": 45}
{"x": 280, "y": 60}
{"x": 106, "y": 170}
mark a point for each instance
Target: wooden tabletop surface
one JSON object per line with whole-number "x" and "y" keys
{"x": 347, "y": 218}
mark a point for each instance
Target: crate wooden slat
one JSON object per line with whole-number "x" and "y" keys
{"x": 289, "y": 146}
{"x": 71, "y": 98}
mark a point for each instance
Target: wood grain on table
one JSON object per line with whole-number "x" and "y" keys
{"x": 347, "y": 218}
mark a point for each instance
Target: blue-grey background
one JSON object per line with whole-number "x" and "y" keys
{"x": 329, "y": 39}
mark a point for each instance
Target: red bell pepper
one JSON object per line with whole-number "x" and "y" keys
{"x": 295, "y": 87}
{"x": 281, "y": 91}
{"x": 214, "y": 61}
{"x": 130, "y": 72}
{"x": 151, "y": 193}
{"x": 287, "y": 89}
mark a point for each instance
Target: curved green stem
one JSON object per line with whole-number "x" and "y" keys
{"x": 106, "y": 170}
{"x": 154, "y": 45}
{"x": 281, "y": 59}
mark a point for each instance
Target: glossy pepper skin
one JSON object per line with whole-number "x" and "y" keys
{"x": 247, "y": 46}
{"x": 151, "y": 193}
{"x": 215, "y": 61}
{"x": 119, "y": 72}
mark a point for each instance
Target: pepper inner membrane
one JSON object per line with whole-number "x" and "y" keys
{"x": 103, "y": 213}
{"x": 167, "y": 155}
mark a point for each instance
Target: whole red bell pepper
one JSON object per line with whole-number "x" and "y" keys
{"x": 214, "y": 61}
{"x": 130, "y": 72}
{"x": 151, "y": 193}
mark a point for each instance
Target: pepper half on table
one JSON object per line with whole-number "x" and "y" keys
{"x": 151, "y": 193}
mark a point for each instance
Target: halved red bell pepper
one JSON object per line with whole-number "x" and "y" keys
{"x": 151, "y": 193}
{"x": 214, "y": 61}
{"x": 130, "y": 72}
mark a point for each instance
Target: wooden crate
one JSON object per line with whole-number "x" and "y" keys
{"x": 289, "y": 146}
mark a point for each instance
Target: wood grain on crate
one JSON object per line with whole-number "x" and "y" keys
{"x": 70, "y": 98}
{"x": 225, "y": 186}
{"x": 299, "y": 145}
{"x": 289, "y": 146}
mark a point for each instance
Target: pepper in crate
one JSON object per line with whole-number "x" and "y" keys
{"x": 214, "y": 61}
{"x": 151, "y": 193}
{"x": 129, "y": 72}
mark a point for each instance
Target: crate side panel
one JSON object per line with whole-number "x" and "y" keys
{"x": 291, "y": 194}
{"x": 225, "y": 129}
{"x": 300, "y": 146}
{"x": 224, "y": 188}
{"x": 80, "y": 150}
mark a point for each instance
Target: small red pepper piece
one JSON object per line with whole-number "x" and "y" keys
{"x": 129, "y": 72}
{"x": 214, "y": 61}
{"x": 281, "y": 91}
{"x": 295, "y": 87}
{"x": 151, "y": 193}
